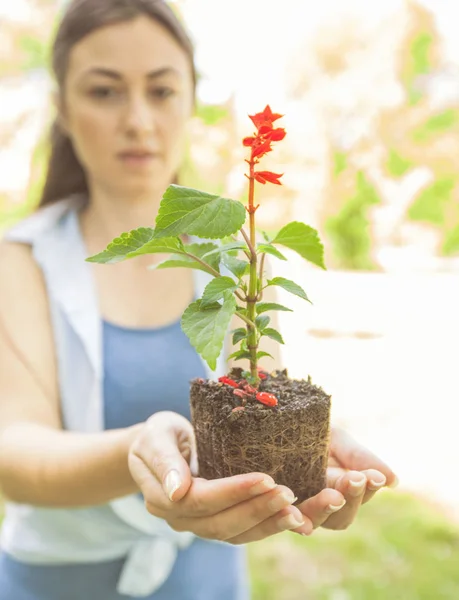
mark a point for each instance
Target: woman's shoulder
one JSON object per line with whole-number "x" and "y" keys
{"x": 19, "y": 273}
{"x": 28, "y": 230}
{"x": 17, "y": 261}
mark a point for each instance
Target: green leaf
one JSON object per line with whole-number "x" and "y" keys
{"x": 262, "y": 307}
{"x": 262, "y": 321}
{"x": 266, "y": 237}
{"x": 273, "y": 334}
{"x": 206, "y": 329}
{"x": 237, "y": 267}
{"x": 269, "y": 249}
{"x": 134, "y": 243}
{"x": 243, "y": 353}
{"x": 290, "y": 286}
{"x": 304, "y": 240}
{"x": 184, "y": 261}
{"x": 239, "y": 334}
{"x": 200, "y": 250}
{"x": 227, "y": 248}
{"x": 179, "y": 262}
{"x": 240, "y": 354}
{"x": 185, "y": 210}
{"x": 243, "y": 345}
{"x": 215, "y": 290}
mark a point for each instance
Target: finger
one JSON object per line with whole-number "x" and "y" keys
{"x": 352, "y": 486}
{"x": 207, "y": 498}
{"x": 289, "y": 518}
{"x": 355, "y": 456}
{"x": 165, "y": 447}
{"x": 238, "y": 519}
{"x": 319, "y": 508}
{"x": 375, "y": 481}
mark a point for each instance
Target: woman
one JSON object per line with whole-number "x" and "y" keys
{"x": 94, "y": 368}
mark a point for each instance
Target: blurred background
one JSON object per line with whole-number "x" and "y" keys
{"x": 370, "y": 93}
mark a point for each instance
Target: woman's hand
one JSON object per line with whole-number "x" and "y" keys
{"x": 356, "y": 474}
{"x": 239, "y": 509}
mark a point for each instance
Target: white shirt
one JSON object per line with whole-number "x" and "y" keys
{"x": 122, "y": 527}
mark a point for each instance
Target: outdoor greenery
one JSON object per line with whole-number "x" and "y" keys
{"x": 400, "y": 548}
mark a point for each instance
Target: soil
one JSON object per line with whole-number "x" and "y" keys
{"x": 289, "y": 441}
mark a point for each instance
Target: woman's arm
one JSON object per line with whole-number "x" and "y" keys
{"x": 45, "y": 467}
{"x": 41, "y": 464}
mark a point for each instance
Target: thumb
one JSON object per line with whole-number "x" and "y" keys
{"x": 171, "y": 445}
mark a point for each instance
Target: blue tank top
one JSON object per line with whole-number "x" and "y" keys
{"x": 145, "y": 371}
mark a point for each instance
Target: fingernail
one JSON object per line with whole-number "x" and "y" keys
{"x": 377, "y": 484}
{"x": 290, "y": 522}
{"x": 280, "y": 501}
{"x": 356, "y": 487}
{"x": 395, "y": 483}
{"x": 172, "y": 483}
{"x": 262, "y": 486}
{"x": 332, "y": 508}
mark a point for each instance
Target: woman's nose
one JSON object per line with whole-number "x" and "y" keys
{"x": 139, "y": 118}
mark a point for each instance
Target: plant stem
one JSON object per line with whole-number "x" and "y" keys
{"x": 212, "y": 271}
{"x": 260, "y": 277}
{"x": 253, "y": 252}
{"x": 250, "y": 323}
{"x": 208, "y": 268}
{"x": 252, "y": 341}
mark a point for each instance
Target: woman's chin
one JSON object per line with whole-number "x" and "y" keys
{"x": 144, "y": 190}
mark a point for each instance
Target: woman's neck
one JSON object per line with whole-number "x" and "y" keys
{"x": 107, "y": 216}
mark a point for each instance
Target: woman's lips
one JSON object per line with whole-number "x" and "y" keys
{"x": 137, "y": 158}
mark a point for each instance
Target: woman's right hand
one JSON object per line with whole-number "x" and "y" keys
{"x": 238, "y": 509}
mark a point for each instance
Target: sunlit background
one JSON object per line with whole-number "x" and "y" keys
{"x": 370, "y": 93}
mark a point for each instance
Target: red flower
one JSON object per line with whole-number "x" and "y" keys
{"x": 250, "y": 389}
{"x": 265, "y": 119}
{"x": 276, "y": 135}
{"x": 228, "y": 381}
{"x": 248, "y": 141}
{"x": 261, "y": 373}
{"x": 267, "y": 176}
{"x": 241, "y": 394}
{"x": 260, "y": 149}
{"x": 267, "y": 399}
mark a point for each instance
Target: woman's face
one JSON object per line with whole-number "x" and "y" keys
{"x": 127, "y": 98}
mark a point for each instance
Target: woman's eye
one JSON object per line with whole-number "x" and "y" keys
{"x": 104, "y": 93}
{"x": 161, "y": 93}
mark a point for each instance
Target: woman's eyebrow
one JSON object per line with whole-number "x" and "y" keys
{"x": 117, "y": 76}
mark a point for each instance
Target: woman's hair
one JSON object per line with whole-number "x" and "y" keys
{"x": 65, "y": 175}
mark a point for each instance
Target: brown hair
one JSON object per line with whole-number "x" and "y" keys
{"x": 65, "y": 175}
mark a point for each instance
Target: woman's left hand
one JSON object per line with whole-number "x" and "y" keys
{"x": 354, "y": 475}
